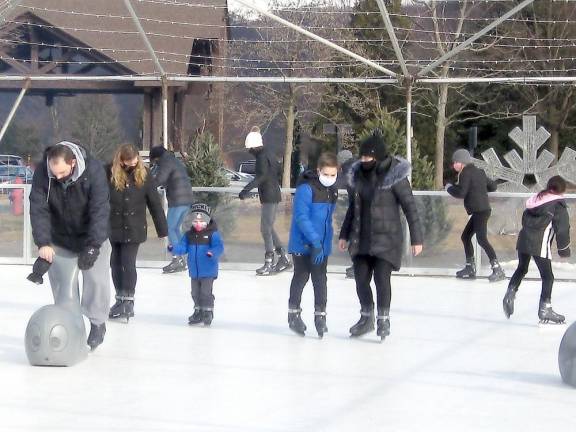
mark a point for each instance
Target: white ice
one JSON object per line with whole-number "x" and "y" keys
{"x": 452, "y": 362}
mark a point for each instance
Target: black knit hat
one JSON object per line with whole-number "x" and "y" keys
{"x": 156, "y": 152}
{"x": 201, "y": 211}
{"x": 374, "y": 145}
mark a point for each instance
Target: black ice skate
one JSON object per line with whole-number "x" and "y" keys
{"x": 365, "y": 324}
{"x": 177, "y": 264}
{"x": 468, "y": 272}
{"x": 268, "y": 267}
{"x": 497, "y": 272}
{"x": 320, "y": 323}
{"x": 122, "y": 309}
{"x": 350, "y": 272}
{"x": 508, "y": 302}
{"x": 383, "y": 324}
{"x": 207, "y": 316}
{"x": 96, "y": 336}
{"x": 548, "y": 316}
{"x": 283, "y": 262}
{"x": 196, "y": 318}
{"x": 295, "y": 321}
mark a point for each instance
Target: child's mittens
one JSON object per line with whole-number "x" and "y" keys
{"x": 209, "y": 254}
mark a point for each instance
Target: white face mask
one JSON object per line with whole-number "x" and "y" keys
{"x": 326, "y": 180}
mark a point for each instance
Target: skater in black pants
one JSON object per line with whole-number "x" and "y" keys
{"x": 311, "y": 240}
{"x": 372, "y": 229}
{"x": 132, "y": 189}
{"x": 266, "y": 180}
{"x": 545, "y": 217}
{"x": 473, "y": 186}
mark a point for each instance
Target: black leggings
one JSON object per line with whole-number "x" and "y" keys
{"x": 123, "y": 265}
{"x": 303, "y": 268}
{"x": 477, "y": 224}
{"x": 544, "y": 267}
{"x": 364, "y": 267}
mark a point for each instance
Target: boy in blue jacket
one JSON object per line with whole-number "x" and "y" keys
{"x": 204, "y": 245}
{"x": 311, "y": 240}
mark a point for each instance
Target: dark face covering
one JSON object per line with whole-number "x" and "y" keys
{"x": 129, "y": 169}
{"x": 368, "y": 166}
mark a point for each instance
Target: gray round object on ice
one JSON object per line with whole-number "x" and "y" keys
{"x": 56, "y": 336}
{"x": 567, "y": 356}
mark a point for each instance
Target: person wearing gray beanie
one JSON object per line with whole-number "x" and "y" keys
{"x": 473, "y": 186}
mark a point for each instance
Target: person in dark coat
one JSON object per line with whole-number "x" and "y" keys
{"x": 69, "y": 212}
{"x": 204, "y": 246}
{"x": 170, "y": 173}
{"x": 546, "y": 216}
{"x": 132, "y": 189}
{"x": 266, "y": 180}
{"x": 311, "y": 240}
{"x": 473, "y": 186}
{"x": 372, "y": 228}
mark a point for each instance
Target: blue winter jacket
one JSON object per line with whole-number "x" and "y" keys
{"x": 197, "y": 245}
{"x": 312, "y": 216}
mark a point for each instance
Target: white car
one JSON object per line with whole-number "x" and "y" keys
{"x": 236, "y": 178}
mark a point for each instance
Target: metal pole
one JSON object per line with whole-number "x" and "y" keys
{"x": 165, "y": 113}
{"x": 471, "y": 39}
{"x": 392, "y": 35}
{"x": 409, "y": 126}
{"x": 316, "y": 37}
{"x": 14, "y": 108}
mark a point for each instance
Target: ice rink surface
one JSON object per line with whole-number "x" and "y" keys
{"x": 452, "y": 362}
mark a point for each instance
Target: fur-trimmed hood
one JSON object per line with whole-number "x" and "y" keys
{"x": 398, "y": 170}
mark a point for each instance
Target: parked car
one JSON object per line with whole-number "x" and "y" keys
{"x": 9, "y": 174}
{"x": 247, "y": 167}
{"x": 11, "y": 160}
{"x": 237, "y": 178}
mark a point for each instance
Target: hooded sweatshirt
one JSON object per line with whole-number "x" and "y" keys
{"x": 73, "y": 214}
{"x": 545, "y": 217}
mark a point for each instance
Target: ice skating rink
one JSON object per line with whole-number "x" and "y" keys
{"x": 452, "y": 363}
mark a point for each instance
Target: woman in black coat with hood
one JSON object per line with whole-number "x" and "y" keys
{"x": 372, "y": 229}
{"x": 132, "y": 189}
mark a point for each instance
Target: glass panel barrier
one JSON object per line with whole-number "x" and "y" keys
{"x": 12, "y": 221}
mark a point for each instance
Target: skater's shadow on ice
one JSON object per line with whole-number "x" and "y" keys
{"x": 12, "y": 350}
{"x": 530, "y": 378}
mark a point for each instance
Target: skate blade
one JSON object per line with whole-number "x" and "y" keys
{"x": 545, "y": 324}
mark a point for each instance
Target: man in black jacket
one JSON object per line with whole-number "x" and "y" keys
{"x": 473, "y": 186}
{"x": 69, "y": 212}
{"x": 171, "y": 174}
{"x": 266, "y": 180}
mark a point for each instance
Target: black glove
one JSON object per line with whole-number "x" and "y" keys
{"x": 243, "y": 194}
{"x": 88, "y": 257}
{"x": 39, "y": 268}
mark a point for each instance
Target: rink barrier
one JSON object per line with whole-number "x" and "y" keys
{"x": 25, "y": 252}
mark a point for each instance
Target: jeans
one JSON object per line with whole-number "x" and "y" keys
{"x": 267, "y": 218}
{"x": 174, "y": 218}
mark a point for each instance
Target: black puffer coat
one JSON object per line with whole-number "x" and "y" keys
{"x": 171, "y": 174}
{"x": 392, "y": 192}
{"x": 473, "y": 186}
{"x": 266, "y": 177}
{"x": 541, "y": 222}
{"x": 75, "y": 214}
{"x": 128, "y": 211}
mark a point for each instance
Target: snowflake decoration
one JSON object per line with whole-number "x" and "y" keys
{"x": 529, "y": 139}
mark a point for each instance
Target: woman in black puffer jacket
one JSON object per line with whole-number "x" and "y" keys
{"x": 132, "y": 189}
{"x": 372, "y": 228}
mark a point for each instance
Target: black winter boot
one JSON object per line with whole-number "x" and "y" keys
{"x": 283, "y": 262}
{"x": 350, "y": 272}
{"x": 295, "y": 321}
{"x": 383, "y": 323}
{"x": 547, "y": 314}
{"x": 497, "y": 272}
{"x": 177, "y": 264}
{"x": 207, "y": 316}
{"x": 320, "y": 323}
{"x": 197, "y": 317}
{"x": 96, "y": 336}
{"x": 365, "y": 324}
{"x": 508, "y": 301}
{"x": 268, "y": 267}
{"x": 469, "y": 271}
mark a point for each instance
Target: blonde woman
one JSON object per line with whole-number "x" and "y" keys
{"x": 132, "y": 189}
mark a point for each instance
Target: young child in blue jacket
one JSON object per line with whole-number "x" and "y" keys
{"x": 311, "y": 240}
{"x": 204, "y": 246}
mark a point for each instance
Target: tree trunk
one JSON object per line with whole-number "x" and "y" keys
{"x": 554, "y": 143}
{"x": 440, "y": 131}
{"x": 289, "y": 145}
